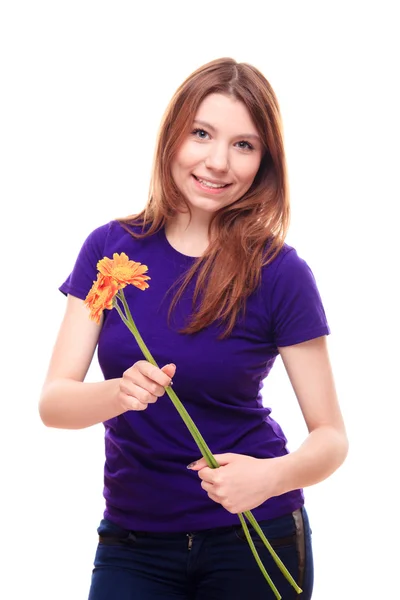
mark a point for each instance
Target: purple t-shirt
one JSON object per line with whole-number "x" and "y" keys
{"x": 146, "y": 483}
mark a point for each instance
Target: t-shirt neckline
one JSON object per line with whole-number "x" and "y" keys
{"x": 173, "y": 251}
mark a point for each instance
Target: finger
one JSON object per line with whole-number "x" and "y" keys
{"x": 222, "y": 459}
{"x": 208, "y": 487}
{"x": 206, "y": 474}
{"x": 198, "y": 464}
{"x": 131, "y": 403}
{"x": 144, "y": 395}
{"x": 214, "y": 497}
{"x": 169, "y": 370}
{"x": 134, "y": 378}
{"x": 140, "y": 393}
{"x": 153, "y": 373}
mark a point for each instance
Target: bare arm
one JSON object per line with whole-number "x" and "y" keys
{"x": 67, "y": 402}
{"x": 325, "y": 448}
{"x": 245, "y": 482}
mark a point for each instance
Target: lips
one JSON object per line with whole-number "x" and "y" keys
{"x": 206, "y": 180}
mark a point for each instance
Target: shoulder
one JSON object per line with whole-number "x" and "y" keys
{"x": 286, "y": 264}
{"x": 293, "y": 299}
{"x": 97, "y": 237}
{"x": 110, "y": 236}
{"x": 104, "y": 240}
{"x": 101, "y": 234}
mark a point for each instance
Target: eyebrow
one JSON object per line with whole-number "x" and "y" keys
{"x": 241, "y": 135}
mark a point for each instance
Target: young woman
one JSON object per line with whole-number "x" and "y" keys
{"x": 227, "y": 296}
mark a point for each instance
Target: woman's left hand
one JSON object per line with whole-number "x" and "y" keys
{"x": 241, "y": 482}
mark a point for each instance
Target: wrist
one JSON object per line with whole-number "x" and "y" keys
{"x": 116, "y": 401}
{"x": 279, "y": 474}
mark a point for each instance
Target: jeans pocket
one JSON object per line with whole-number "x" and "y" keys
{"x": 280, "y": 533}
{"x": 111, "y": 534}
{"x": 281, "y": 542}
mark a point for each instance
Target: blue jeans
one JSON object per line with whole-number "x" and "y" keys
{"x": 216, "y": 564}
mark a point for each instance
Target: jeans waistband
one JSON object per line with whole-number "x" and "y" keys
{"x": 125, "y": 535}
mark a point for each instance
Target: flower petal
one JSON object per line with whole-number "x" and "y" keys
{"x": 101, "y": 296}
{"x": 124, "y": 271}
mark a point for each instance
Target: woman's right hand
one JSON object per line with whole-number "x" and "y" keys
{"x": 67, "y": 401}
{"x": 143, "y": 384}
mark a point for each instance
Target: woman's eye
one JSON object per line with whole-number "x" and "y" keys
{"x": 245, "y": 145}
{"x": 200, "y": 133}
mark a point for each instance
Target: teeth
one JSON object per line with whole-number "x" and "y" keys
{"x": 211, "y": 185}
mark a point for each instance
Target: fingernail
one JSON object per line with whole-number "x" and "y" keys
{"x": 192, "y": 464}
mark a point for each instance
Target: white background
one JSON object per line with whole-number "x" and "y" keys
{"x": 83, "y": 88}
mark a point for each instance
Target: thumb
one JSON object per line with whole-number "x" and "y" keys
{"x": 197, "y": 465}
{"x": 222, "y": 460}
{"x": 169, "y": 370}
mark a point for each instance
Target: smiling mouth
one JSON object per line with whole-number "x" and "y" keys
{"x": 211, "y": 184}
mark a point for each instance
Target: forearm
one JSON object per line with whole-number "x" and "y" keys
{"x": 68, "y": 404}
{"x": 320, "y": 455}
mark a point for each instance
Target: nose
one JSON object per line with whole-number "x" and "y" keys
{"x": 217, "y": 158}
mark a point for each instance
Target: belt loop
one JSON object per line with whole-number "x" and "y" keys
{"x": 300, "y": 543}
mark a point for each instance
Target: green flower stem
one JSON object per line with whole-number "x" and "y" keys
{"x": 256, "y": 555}
{"x": 204, "y": 449}
{"x": 250, "y": 517}
{"x": 126, "y": 317}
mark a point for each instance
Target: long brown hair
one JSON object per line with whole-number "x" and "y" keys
{"x": 248, "y": 233}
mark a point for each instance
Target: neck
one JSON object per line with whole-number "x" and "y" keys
{"x": 189, "y": 237}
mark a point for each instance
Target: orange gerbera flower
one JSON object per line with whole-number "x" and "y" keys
{"x": 101, "y": 296}
{"x": 124, "y": 271}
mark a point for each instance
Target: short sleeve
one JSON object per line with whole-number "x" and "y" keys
{"x": 297, "y": 311}
{"x": 84, "y": 273}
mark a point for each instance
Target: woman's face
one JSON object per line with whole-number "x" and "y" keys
{"x": 217, "y": 163}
